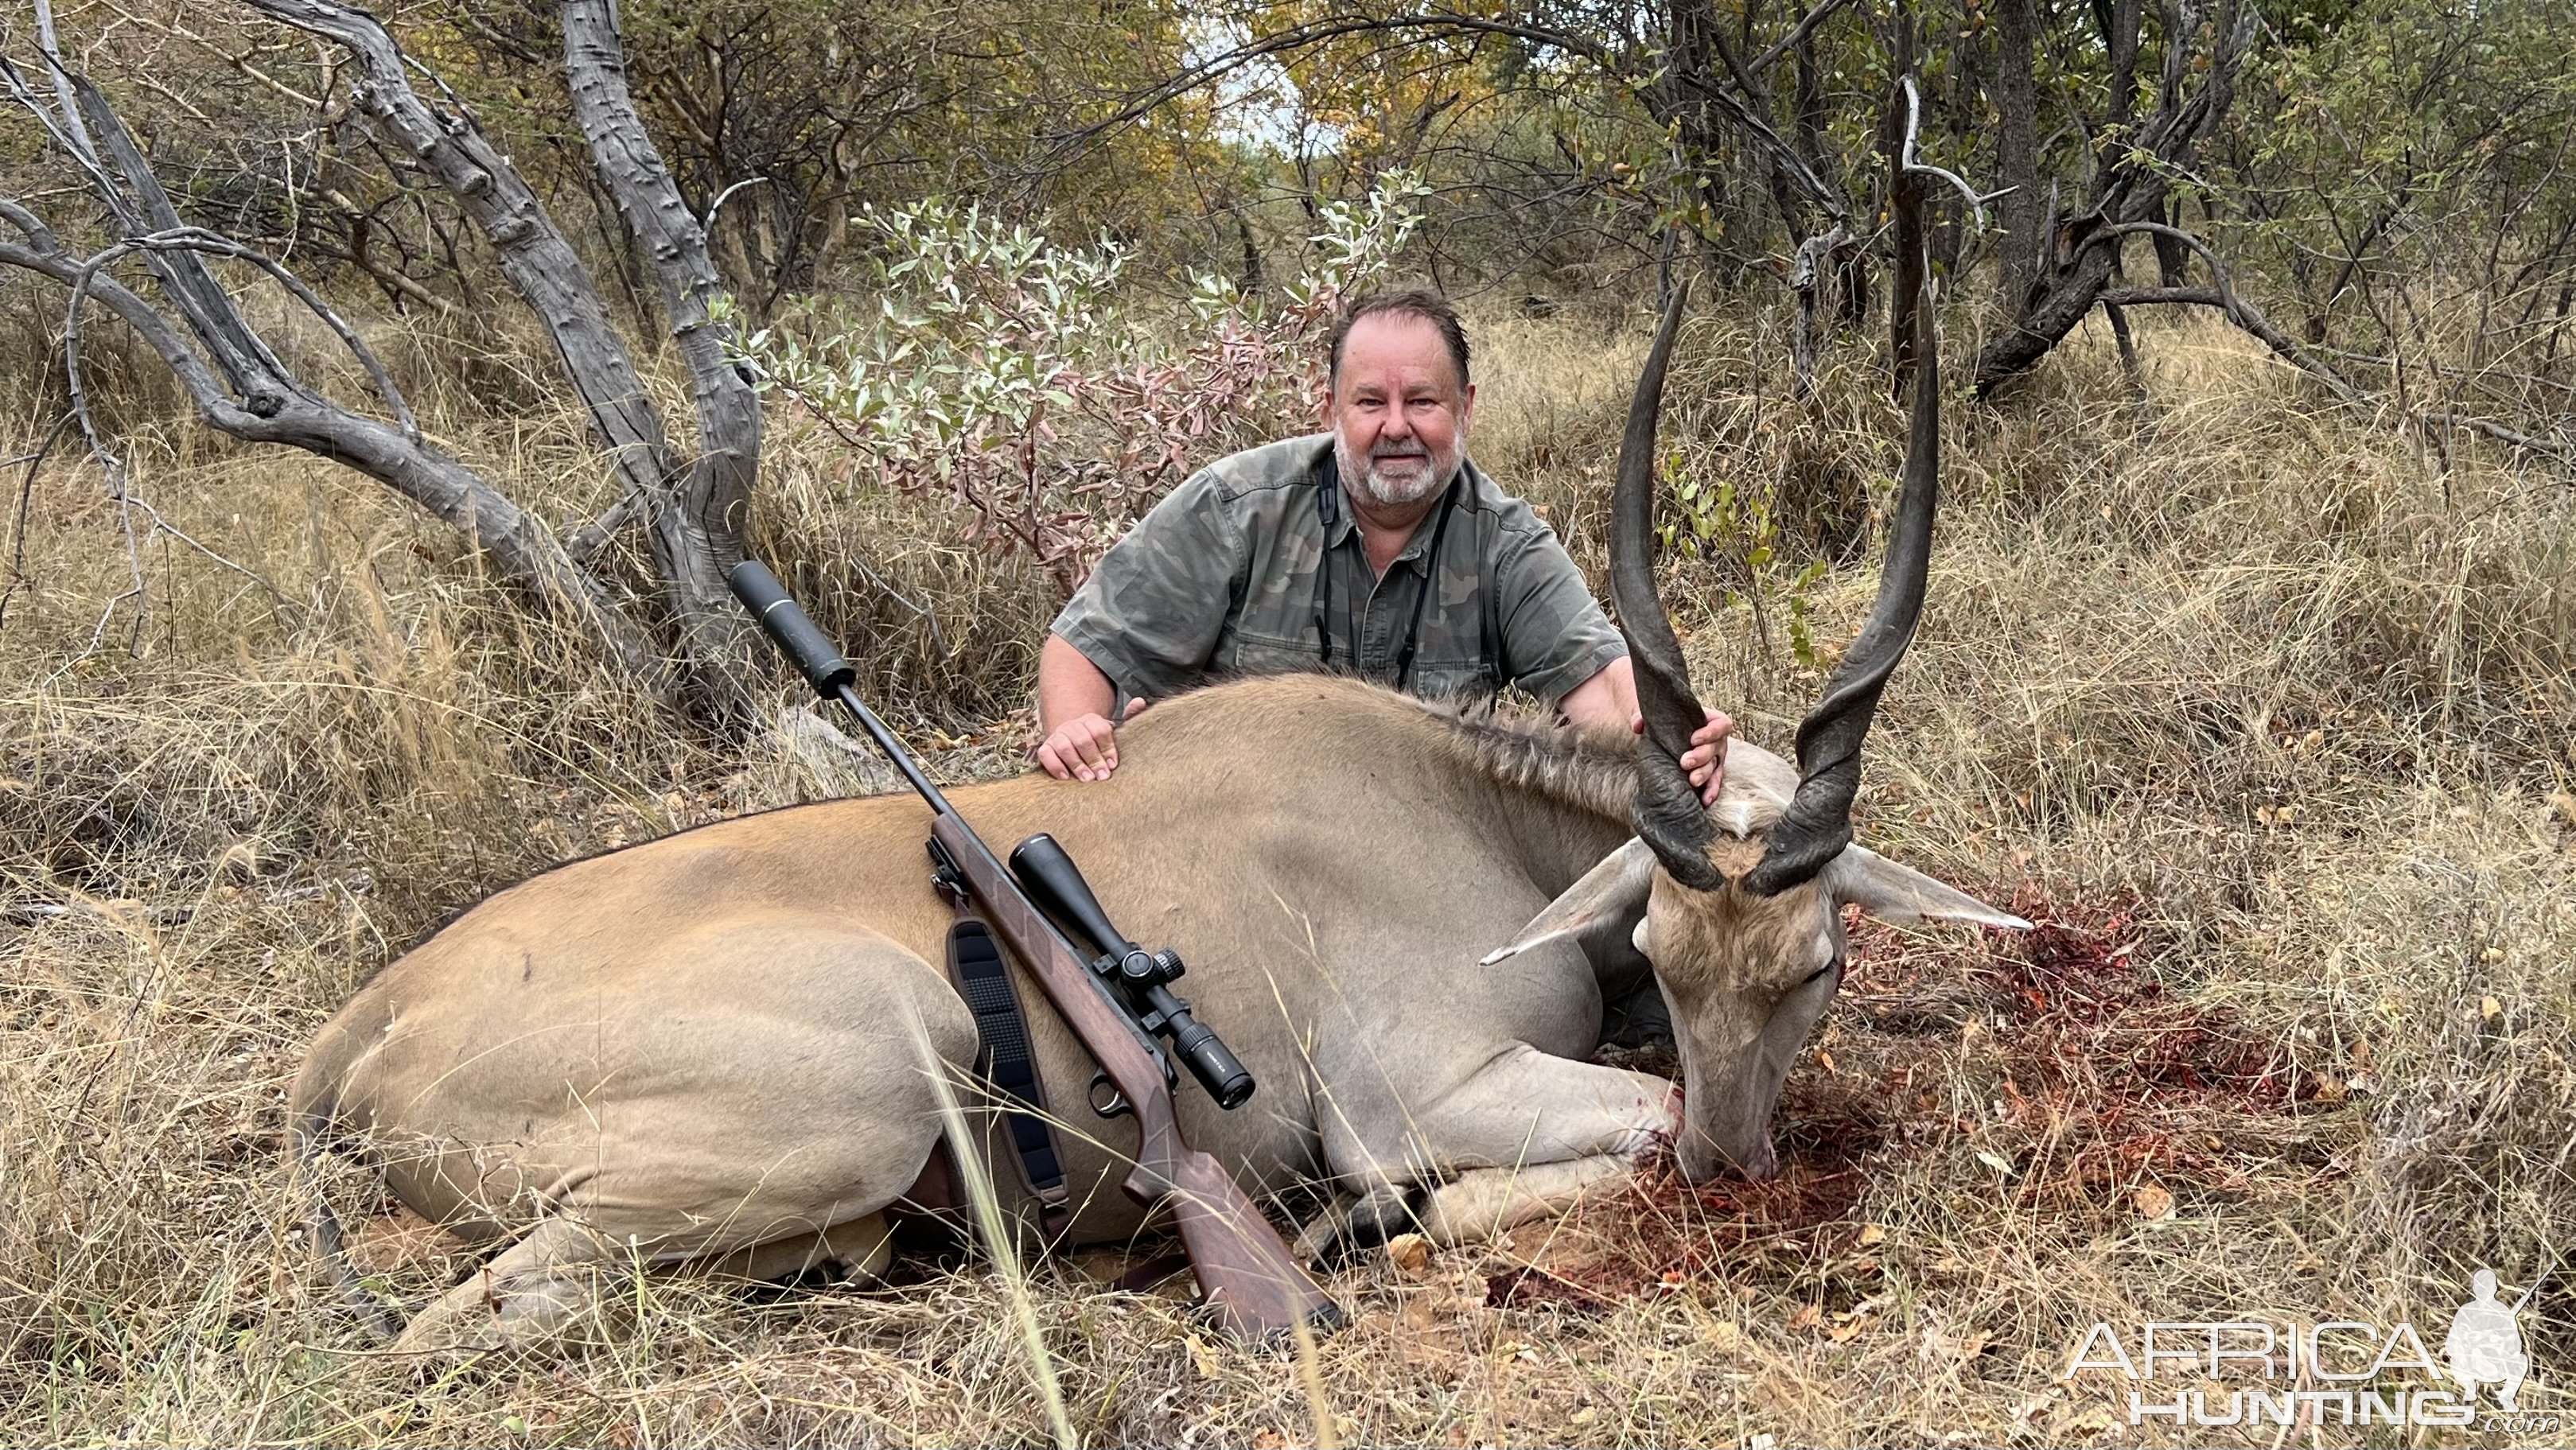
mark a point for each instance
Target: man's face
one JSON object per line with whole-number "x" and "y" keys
{"x": 1398, "y": 413}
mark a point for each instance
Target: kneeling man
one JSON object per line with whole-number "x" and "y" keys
{"x": 1377, "y": 549}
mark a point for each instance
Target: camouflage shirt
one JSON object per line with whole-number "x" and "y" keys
{"x": 1221, "y": 579}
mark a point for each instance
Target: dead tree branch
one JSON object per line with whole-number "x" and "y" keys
{"x": 698, "y": 511}
{"x": 699, "y": 531}
{"x": 241, "y": 387}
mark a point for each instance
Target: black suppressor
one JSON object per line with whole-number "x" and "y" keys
{"x": 1051, "y": 880}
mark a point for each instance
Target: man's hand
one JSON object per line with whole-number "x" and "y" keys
{"x": 1085, "y": 747}
{"x": 1612, "y": 694}
{"x": 1705, "y": 761}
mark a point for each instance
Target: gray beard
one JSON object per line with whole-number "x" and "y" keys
{"x": 1385, "y": 492}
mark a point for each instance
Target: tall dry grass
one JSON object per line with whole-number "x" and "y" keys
{"x": 2264, "y": 709}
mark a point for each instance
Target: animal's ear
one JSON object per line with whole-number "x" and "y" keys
{"x": 1609, "y": 889}
{"x": 1900, "y": 893}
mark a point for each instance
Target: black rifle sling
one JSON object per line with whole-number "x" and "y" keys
{"x": 1008, "y": 1066}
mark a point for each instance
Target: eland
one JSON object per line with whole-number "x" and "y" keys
{"x": 734, "y": 1046}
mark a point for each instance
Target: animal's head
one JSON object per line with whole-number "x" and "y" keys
{"x": 1743, "y": 904}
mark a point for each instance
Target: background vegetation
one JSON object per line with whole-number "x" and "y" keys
{"x": 2247, "y": 665}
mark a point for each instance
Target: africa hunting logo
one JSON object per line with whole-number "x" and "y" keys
{"x": 2335, "y": 1371}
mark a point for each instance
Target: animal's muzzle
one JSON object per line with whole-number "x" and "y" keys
{"x": 1703, "y": 1160}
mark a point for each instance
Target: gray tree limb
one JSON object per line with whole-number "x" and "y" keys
{"x": 2072, "y": 272}
{"x": 247, "y": 393}
{"x": 700, "y": 531}
{"x": 697, "y": 513}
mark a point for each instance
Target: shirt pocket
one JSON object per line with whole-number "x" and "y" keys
{"x": 1467, "y": 682}
{"x": 1250, "y": 652}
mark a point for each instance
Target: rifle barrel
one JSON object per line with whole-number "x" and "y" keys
{"x": 810, "y": 650}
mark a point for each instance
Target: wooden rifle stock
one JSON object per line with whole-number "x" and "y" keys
{"x": 1252, "y": 1287}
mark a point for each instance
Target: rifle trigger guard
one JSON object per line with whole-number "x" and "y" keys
{"x": 1117, "y": 1106}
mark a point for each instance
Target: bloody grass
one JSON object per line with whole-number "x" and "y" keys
{"x": 2096, "y": 1078}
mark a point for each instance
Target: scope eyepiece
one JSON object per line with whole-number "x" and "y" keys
{"x": 1217, "y": 1069}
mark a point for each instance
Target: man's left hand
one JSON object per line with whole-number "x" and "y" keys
{"x": 1705, "y": 761}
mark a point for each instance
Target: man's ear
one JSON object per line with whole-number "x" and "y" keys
{"x": 1611, "y": 888}
{"x": 1467, "y": 405}
{"x": 1900, "y": 893}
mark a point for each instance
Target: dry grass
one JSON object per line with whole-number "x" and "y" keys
{"x": 2260, "y": 709}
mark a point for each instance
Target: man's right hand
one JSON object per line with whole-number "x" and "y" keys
{"x": 1084, "y": 747}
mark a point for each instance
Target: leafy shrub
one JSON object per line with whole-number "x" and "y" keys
{"x": 1019, "y": 378}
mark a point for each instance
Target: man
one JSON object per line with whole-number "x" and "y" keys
{"x": 1312, "y": 554}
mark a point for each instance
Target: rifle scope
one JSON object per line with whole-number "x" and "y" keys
{"x": 1051, "y": 879}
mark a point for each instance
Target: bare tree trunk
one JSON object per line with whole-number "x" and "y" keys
{"x": 2130, "y": 369}
{"x": 698, "y": 532}
{"x": 2171, "y": 259}
{"x": 689, "y": 550}
{"x": 1905, "y": 204}
{"x": 1806, "y": 272}
{"x": 2079, "y": 259}
{"x": 2017, "y": 155}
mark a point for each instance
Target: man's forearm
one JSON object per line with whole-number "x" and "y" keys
{"x": 1607, "y": 701}
{"x": 1070, "y": 686}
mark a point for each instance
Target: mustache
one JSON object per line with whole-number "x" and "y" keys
{"x": 1399, "y": 450}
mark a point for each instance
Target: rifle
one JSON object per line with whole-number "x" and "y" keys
{"x": 1248, "y": 1283}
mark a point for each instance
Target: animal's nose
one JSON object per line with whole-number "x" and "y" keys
{"x": 1702, "y": 1161}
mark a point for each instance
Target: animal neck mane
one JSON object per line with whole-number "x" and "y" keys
{"x": 1592, "y": 773}
{"x": 1595, "y": 773}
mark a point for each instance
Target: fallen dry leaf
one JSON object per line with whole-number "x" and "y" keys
{"x": 1410, "y": 1253}
{"x": 1871, "y": 1233}
{"x": 1807, "y": 1317}
{"x": 1940, "y": 1348}
{"x": 2490, "y": 1008}
{"x": 2154, "y": 1202}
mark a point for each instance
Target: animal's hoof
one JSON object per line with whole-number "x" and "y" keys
{"x": 1339, "y": 1236}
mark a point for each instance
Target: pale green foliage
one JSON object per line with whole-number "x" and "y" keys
{"x": 1017, "y": 376}
{"x": 1740, "y": 528}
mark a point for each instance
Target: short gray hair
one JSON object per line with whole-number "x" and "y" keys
{"x": 1419, "y": 302}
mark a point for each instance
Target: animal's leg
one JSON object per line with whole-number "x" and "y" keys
{"x": 1525, "y": 1107}
{"x": 1355, "y": 1222}
{"x": 1486, "y": 1203}
{"x": 1318, "y": 1235}
{"x": 528, "y": 1295}
{"x": 1558, "y": 1123}
{"x": 864, "y": 1246}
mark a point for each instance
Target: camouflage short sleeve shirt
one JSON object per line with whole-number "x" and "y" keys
{"x": 1221, "y": 579}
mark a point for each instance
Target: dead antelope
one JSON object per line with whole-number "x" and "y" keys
{"x": 724, "y": 1045}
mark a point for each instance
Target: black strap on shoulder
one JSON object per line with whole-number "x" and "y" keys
{"x": 1008, "y": 1065}
{"x": 1328, "y": 513}
{"x": 1489, "y": 619}
{"x": 1430, "y": 581}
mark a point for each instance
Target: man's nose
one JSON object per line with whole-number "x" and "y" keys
{"x": 1397, "y": 425}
